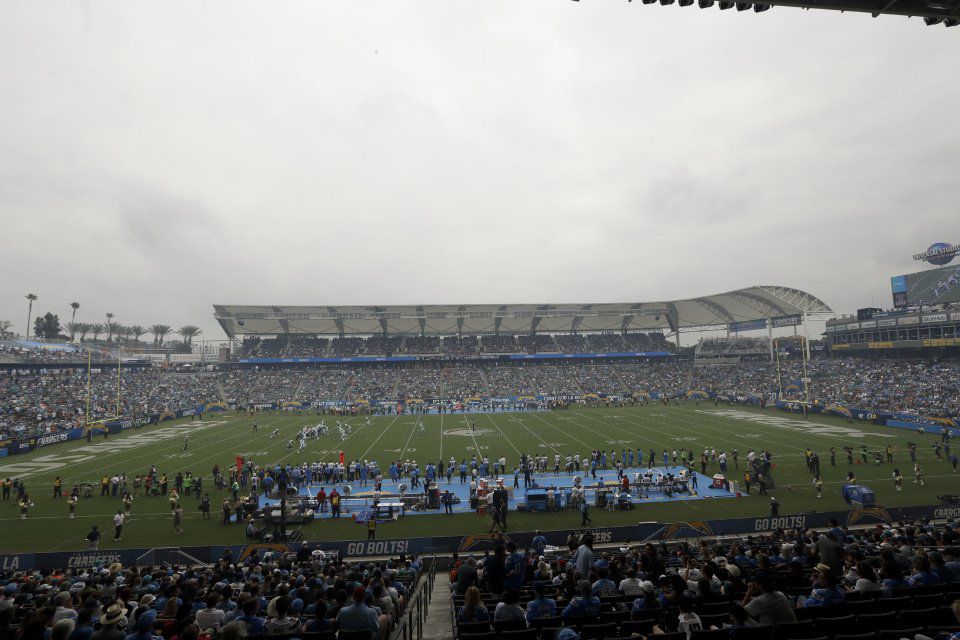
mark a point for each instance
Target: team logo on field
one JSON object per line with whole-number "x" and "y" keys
{"x": 468, "y": 433}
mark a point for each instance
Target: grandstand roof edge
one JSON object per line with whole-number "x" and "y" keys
{"x": 740, "y": 305}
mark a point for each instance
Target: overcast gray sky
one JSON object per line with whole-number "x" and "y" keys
{"x": 158, "y": 157}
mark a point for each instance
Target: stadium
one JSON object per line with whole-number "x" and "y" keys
{"x": 447, "y": 320}
{"x": 425, "y": 430}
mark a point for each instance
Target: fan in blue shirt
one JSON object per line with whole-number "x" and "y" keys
{"x": 582, "y": 605}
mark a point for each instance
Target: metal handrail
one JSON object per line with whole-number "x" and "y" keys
{"x": 410, "y": 624}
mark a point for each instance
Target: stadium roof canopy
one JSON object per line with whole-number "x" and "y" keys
{"x": 742, "y": 305}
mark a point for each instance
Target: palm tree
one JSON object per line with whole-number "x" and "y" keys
{"x": 159, "y": 331}
{"x": 188, "y": 332}
{"x": 136, "y": 331}
{"x": 73, "y": 328}
{"x": 110, "y": 326}
{"x": 96, "y": 330}
{"x": 30, "y": 298}
{"x": 113, "y": 331}
{"x": 84, "y": 328}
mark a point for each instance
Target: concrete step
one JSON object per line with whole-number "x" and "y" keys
{"x": 439, "y": 625}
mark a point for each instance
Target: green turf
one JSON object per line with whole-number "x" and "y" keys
{"x": 219, "y": 438}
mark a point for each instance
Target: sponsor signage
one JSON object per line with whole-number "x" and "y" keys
{"x": 639, "y": 533}
{"x": 786, "y": 321}
{"x": 955, "y": 316}
{"x": 191, "y": 358}
{"x": 51, "y": 438}
{"x": 887, "y": 322}
{"x": 880, "y": 345}
{"x": 868, "y": 324}
{"x": 939, "y": 253}
{"x": 748, "y": 325}
{"x": 941, "y": 342}
{"x": 935, "y": 317}
{"x": 908, "y": 320}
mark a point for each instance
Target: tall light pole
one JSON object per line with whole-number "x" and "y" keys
{"x": 30, "y": 298}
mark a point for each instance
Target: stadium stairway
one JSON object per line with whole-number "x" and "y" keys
{"x": 438, "y": 625}
{"x": 222, "y": 392}
{"x": 486, "y": 381}
{"x": 623, "y": 382}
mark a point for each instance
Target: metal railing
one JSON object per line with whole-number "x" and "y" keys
{"x": 410, "y": 624}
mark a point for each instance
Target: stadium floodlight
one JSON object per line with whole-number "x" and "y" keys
{"x": 666, "y": 2}
{"x": 725, "y": 4}
{"x": 951, "y": 22}
{"x": 759, "y": 8}
{"x": 705, "y": 4}
{"x": 931, "y": 20}
{"x": 649, "y": 1}
{"x": 743, "y": 6}
{"x": 685, "y": 3}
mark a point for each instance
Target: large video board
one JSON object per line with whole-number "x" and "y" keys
{"x": 936, "y": 286}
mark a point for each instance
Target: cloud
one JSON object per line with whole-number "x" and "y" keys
{"x": 160, "y": 158}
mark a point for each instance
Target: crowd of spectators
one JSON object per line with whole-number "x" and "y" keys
{"x": 509, "y": 381}
{"x": 345, "y": 347}
{"x": 451, "y": 346}
{"x": 646, "y": 342}
{"x": 419, "y": 383}
{"x": 15, "y": 352}
{"x": 463, "y": 346}
{"x": 57, "y": 400}
{"x": 571, "y": 343}
{"x": 421, "y": 345}
{"x": 892, "y": 581}
{"x": 305, "y": 594}
{"x": 499, "y": 344}
{"x": 537, "y": 343}
{"x": 460, "y": 382}
{"x": 605, "y": 343}
{"x": 382, "y": 345}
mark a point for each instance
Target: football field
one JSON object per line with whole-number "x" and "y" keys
{"x": 220, "y": 437}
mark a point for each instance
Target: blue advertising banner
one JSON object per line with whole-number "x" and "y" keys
{"x": 786, "y": 321}
{"x": 478, "y": 543}
{"x": 580, "y": 356}
{"x": 747, "y": 325}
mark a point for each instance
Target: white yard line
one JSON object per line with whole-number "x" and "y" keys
{"x": 387, "y": 428}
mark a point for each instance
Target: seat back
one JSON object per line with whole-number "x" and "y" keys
{"x": 759, "y": 632}
{"x": 589, "y": 631}
{"x": 837, "y": 625}
{"x": 472, "y": 627}
{"x": 791, "y": 630}
{"x": 877, "y": 621}
{"x": 917, "y": 617}
{"x": 509, "y": 625}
